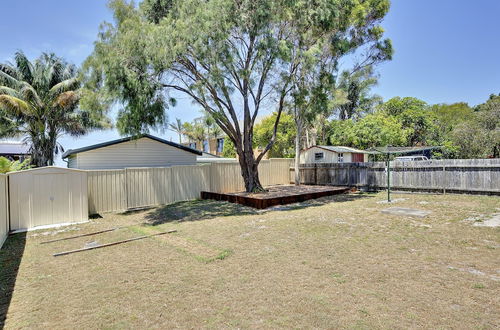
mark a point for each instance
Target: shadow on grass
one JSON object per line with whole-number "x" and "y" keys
{"x": 196, "y": 210}
{"x": 208, "y": 209}
{"x": 10, "y": 258}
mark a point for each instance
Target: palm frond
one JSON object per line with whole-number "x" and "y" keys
{"x": 14, "y": 105}
{"x": 8, "y": 76}
{"x": 24, "y": 66}
{"x": 65, "y": 86}
{"x": 9, "y": 69}
{"x": 4, "y": 90}
{"x": 30, "y": 95}
{"x": 67, "y": 100}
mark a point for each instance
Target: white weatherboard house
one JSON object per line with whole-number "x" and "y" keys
{"x": 143, "y": 151}
{"x": 333, "y": 154}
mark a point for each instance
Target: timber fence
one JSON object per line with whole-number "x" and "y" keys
{"x": 448, "y": 175}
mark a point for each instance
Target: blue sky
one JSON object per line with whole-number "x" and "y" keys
{"x": 445, "y": 50}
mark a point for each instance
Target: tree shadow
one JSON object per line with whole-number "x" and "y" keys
{"x": 10, "y": 258}
{"x": 207, "y": 209}
{"x": 196, "y": 210}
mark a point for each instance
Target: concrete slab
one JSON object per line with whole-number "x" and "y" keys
{"x": 406, "y": 212}
{"x": 494, "y": 221}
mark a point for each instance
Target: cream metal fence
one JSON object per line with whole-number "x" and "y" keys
{"x": 4, "y": 208}
{"x": 119, "y": 190}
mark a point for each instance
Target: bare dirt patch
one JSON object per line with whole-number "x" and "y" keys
{"x": 336, "y": 262}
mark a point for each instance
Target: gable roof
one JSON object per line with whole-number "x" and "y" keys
{"x": 342, "y": 149}
{"x": 13, "y": 148}
{"x": 127, "y": 139}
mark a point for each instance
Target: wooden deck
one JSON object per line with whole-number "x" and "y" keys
{"x": 276, "y": 195}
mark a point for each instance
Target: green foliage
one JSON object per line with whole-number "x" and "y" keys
{"x": 194, "y": 131}
{"x": 155, "y": 10}
{"x": 284, "y": 145}
{"x": 398, "y": 105}
{"x": 228, "y": 151}
{"x": 461, "y": 131}
{"x": 356, "y": 88}
{"x": 450, "y": 115}
{"x": 479, "y": 137}
{"x": 39, "y": 100}
{"x": 415, "y": 117}
{"x": 7, "y": 165}
{"x": 373, "y": 130}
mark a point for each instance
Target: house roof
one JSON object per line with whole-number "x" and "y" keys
{"x": 127, "y": 139}
{"x": 341, "y": 149}
{"x": 13, "y": 148}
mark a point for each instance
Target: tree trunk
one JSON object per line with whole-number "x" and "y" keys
{"x": 298, "y": 140}
{"x": 249, "y": 169}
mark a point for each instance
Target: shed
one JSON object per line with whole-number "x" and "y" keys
{"x": 47, "y": 196}
{"x": 333, "y": 154}
{"x": 143, "y": 151}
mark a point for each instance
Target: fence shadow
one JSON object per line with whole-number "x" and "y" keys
{"x": 207, "y": 209}
{"x": 10, "y": 258}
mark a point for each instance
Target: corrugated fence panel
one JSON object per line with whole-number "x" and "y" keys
{"x": 106, "y": 191}
{"x": 279, "y": 170}
{"x": 148, "y": 186}
{"x": 189, "y": 181}
{"x": 226, "y": 177}
{"x": 4, "y": 209}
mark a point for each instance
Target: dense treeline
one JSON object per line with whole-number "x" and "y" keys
{"x": 463, "y": 131}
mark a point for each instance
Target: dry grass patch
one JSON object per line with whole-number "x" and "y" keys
{"x": 337, "y": 262}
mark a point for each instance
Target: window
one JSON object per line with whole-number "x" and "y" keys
{"x": 318, "y": 156}
{"x": 205, "y": 146}
{"x": 220, "y": 144}
{"x": 341, "y": 157}
{"x": 192, "y": 145}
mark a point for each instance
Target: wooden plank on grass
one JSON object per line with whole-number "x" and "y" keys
{"x": 111, "y": 244}
{"x": 83, "y": 235}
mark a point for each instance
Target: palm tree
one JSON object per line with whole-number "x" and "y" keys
{"x": 39, "y": 101}
{"x": 178, "y": 128}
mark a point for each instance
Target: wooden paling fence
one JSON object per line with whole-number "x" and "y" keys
{"x": 448, "y": 175}
{"x": 120, "y": 190}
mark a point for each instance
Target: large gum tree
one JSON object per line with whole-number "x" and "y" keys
{"x": 234, "y": 58}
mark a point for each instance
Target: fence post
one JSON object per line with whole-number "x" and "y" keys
{"x": 444, "y": 178}
{"x": 315, "y": 173}
{"x": 126, "y": 188}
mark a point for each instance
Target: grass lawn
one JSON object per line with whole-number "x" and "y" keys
{"x": 336, "y": 262}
